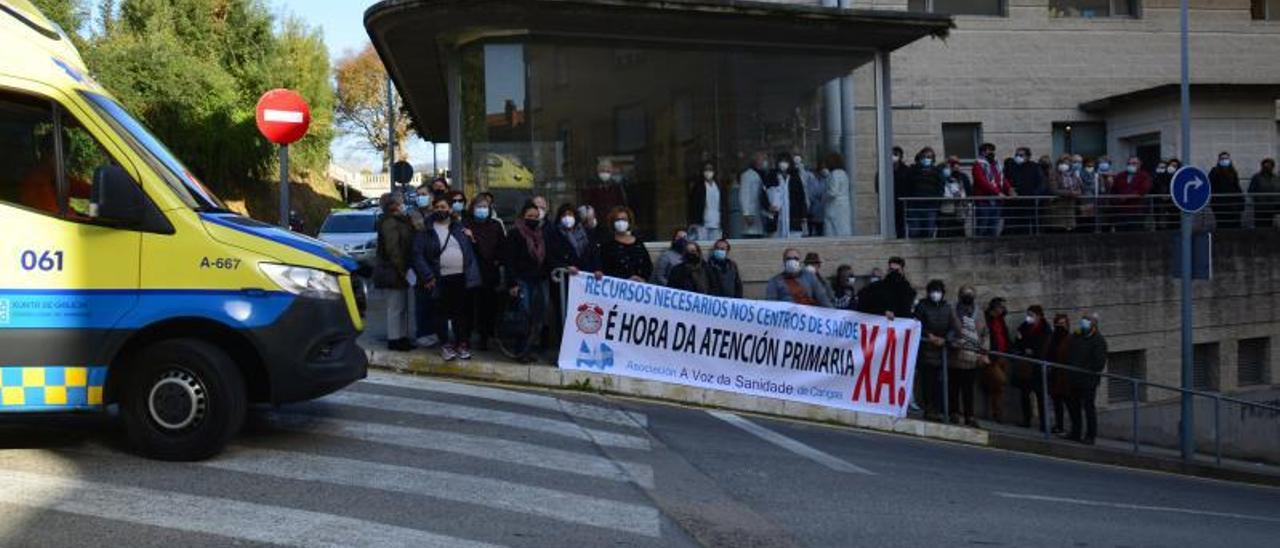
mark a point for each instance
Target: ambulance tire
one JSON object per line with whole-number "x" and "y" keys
{"x": 184, "y": 399}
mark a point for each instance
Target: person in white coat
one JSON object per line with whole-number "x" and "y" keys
{"x": 838, "y": 215}
{"x": 750, "y": 182}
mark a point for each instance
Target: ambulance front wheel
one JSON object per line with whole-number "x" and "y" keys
{"x": 184, "y": 399}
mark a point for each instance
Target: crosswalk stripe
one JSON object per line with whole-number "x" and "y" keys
{"x": 477, "y": 414}
{"x": 789, "y": 444}
{"x": 502, "y": 495}
{"x": 235, "y": 519}
{"x": 474, "y": 446}
{"x": 580, "y": 410}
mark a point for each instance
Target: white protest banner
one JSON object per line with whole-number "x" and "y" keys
{"x": 808, "y": 354}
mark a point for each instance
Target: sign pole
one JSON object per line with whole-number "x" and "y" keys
{"x": 391, "y": 131}
{"x": 284, "y": 186}
{"x": 1187, "y": 437}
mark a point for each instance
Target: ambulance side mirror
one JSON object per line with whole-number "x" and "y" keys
{"x": 117, "y": 198}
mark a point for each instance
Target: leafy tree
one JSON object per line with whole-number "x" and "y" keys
{"x": 362, "y": 101}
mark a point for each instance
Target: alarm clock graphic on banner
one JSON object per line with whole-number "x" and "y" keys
{"x": 590, "y": 318}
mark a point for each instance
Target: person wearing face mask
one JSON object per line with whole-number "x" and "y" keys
{"x": 901, "y": 189}
{"x": 1129, "y": 209}
{"x": 1090, "y": 180}
{"x": 624, "y": 255}
{"x": 695, "y": 274}
{"x": 996, "y": 375}
{"x": 424, "y": 324}
{"x": 837, "y": 209}
{"x": 787, "y": 205}
{"x": 595, "y": 231}
{"x": 487, "y": 236}
{"x": 726, "y": 269}
{"x": 1227, "y": 203}
{"x": 1088, "y": 352}
{"x": 750, "y": 186}
{"x": 795, "y": 285}
{"x": 446, "y": 264}
{"x": 439, "y": 188}
{"x": 390, "y": 273}
{"x": 670, "y": 258}
{"x": 568, "y": 247}
{"x": 1027, "y": 179}
{"x": 1265, "y": 208}
{"x": 937, "y": 324}
{"x": 813, "y": 265}
{"x": 892, "y": 296}
{"x": 970, "y": 340}
{"x": 1067, "y": 189}
{"x": 844, "y": 297}
{"x": 926, "y": 182}
{"x": 457, "y": 204}
{"x": 1164, "y": 213}
{"x": 1032, "y": 343}
{"x": 524, "y": 255}
{"x": 605, "y": 186}
{"x": 988, "y": 181}
{"x": 815, "y": 191}
{"x": 705, "y": 205}
{"x": 953, "y": 212}
{"x": 1059, "y": 381}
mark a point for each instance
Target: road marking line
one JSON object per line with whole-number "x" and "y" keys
{"x": 492, "y": 493}
{"x": 1125, "y": 506}
{"x": 209, "y": 515}
{"x": 482, "y": 447}
{"x": 581, "y": 410}
{"x": 789, "y": 444}
{"x": 430, "y": 408}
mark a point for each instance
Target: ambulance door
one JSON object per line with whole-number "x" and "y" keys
{"x": 66, "y": 278}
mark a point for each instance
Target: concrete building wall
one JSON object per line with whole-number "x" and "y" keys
{"x": 1240, "y": 123}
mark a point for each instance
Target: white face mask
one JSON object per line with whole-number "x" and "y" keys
{"x": 542, "y": 214}
{"x": 1089, "y": 169}
{"x": 605, "y": 176}
{"x": 799, "y": 162}
{"x": 851, "y": 280}
{"x": 621, "y": 225}
{"x": 1031, "y": 318}
{"x": 811, "y": 269}
{"x": 935, "y": 296}
{"x": 792, "y": 266}
{"x": 784, "y": 167}
{"x": 709, "y": 175}
{"x": 1063, "y": 168}
{"x": 568, "y": 222}
{"x": 946, "y": 172}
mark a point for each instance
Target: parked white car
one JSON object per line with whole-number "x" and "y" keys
{"x": 352, "y": 231}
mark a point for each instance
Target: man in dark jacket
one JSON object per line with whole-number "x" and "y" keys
{"x": 926, "y": 182}
{"x": 1227, "y": 203}
{"x": 1265, "y": 208}
{"x": 1028, "y": 181}
{"x": 1033, "y": 342}
{"x": 395, "y": 247}
{"x": 693, "y": 274}
{"x": 938, "y": 323}
{"x": 726, "y": 269}
{"x": 893, "y": 296}
{"x": 1088, "y": 351}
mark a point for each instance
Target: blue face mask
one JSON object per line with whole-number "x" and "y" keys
{"x": 1104, "y": 167}
{"x": 1085, "y": 325}
{"x": 481, "y": 213}
{"x": 1225, "y": 162}
{"x": 946, "y": 172}
{"x": 1131, "y": 169}
{"x": 926, "y": 162}
{"x": 423, "y": 201}
{"x": 719, "y": 254}
{"x": 457, "y": 207}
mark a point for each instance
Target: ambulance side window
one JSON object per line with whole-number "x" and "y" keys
{"x": 29, "y": 172}
{"x": 27, "y": 175}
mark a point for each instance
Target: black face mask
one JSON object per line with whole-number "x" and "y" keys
{"x": 532, "y": 223}
{"x": 692, "y": 258}
{"x": 437, "y": 216}
{"x": 966, "y": 299}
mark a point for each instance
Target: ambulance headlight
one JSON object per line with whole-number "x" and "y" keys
{"x": 302, "y": 281}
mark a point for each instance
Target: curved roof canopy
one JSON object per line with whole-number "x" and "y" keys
{"x": 412, "y": 36}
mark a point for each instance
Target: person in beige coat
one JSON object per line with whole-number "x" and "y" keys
{"x": 968, "y": 356}
{"x": 1067, "y": 187}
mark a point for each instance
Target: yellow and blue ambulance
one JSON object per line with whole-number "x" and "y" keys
{"x": 125, "y": 282}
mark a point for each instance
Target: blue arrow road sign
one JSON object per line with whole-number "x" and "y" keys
{"x": 1190, "y": 189}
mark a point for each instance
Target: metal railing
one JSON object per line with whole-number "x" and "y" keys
{"x": 989, "y": 216}
{"x": 1136, "y": 385}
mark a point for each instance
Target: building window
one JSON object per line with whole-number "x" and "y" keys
{"x": 961, "y": 140}
{"x": 1265, "y": 10}
{"x": 1088, "y": 139}
{"x": 1093, "y": 8}
{"x": 1252, "y": 359}
{"x": 1127, "y": 364}
{"x": 959, "y": 7}
{"x": 1204, "y": 367}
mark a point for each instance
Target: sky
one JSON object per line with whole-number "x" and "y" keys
{"x": 343, "y": 24}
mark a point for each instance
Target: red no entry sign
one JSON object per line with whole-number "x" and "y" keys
{"x": 283, "y": 116}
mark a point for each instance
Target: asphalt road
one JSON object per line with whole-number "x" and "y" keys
{"x": 407, "y": 461}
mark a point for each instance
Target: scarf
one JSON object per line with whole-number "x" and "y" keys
{"x": 533, "y": 239}
{"x": 999, "y": 333}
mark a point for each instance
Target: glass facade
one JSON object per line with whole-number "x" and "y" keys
{"x": 611, "y": 125}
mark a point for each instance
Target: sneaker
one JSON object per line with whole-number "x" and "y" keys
{"x": 464, "y": 351}
{"x": 447, "y": 352}
{"x": 428, "y": 341}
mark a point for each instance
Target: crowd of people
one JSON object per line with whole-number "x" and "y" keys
{"x": 1023, "y": 194}
{"x": 462, "y": 266}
